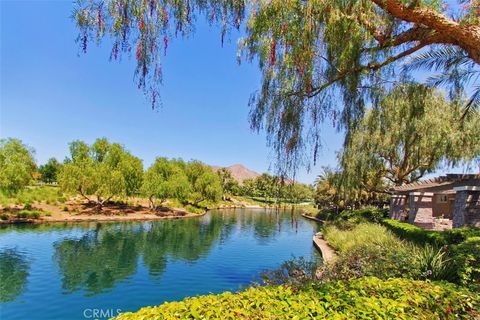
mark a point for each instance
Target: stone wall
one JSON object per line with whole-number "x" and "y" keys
{"x": 467, "y": 209}
{"x": 421, "y": 210}
{"x": 398, "y": 207}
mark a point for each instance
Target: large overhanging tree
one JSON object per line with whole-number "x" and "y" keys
{"x": 320, "y": 59}
{"x": 411, "y": 132}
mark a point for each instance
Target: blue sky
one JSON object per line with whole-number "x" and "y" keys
{"x": 51, "y": 94}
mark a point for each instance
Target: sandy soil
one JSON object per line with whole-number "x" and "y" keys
{"x": 73, "y": 211}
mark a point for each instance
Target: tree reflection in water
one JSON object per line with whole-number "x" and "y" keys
{"x": 108, "y": 254}
{"x": 14, "y": 268}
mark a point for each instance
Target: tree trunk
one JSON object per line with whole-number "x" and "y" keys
{"x": 446, "y": 31}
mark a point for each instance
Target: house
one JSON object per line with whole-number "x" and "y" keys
{"x": 439, "y": 203}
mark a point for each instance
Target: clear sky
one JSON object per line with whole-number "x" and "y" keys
{"x": 52, "y": 94}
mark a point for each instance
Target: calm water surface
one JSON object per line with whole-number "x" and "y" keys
{"x": 67, "y": 271}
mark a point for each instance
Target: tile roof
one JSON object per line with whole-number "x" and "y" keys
{"x": 442, "y": 181}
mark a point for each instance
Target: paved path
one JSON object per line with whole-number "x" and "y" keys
{"x": 328, "y": 253}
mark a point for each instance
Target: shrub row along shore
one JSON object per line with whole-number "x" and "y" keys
{"x": 104, "y": 182}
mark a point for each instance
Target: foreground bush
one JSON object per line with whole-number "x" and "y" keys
{"x": 467, "y": 261}
{"x": 462, "y": 246}
{"x": 366, "y": 298}
{"x": 371, "y": 250}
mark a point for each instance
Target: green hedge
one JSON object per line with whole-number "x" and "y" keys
{"x": 413, "y": 233}
{"x": 367, "y": 214}
{"x": 365, "y": 298}
{"x": 463, "y": 247}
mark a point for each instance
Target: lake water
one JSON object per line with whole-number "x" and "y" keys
{"x": 92, "y": 270}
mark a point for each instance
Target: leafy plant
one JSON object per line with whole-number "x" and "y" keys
{"x": 466, "y": 256}
{"x": 17, "y": 165}
{"x": 103, "y": 170}
{"x": 434, "y": 263}
{"x": 365, "y": 298}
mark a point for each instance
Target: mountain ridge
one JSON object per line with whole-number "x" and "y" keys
{"x": 239, "y": 172}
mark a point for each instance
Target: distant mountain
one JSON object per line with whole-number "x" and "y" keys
{"x": 240, "y": 172}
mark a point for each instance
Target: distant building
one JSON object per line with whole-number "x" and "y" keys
{"x": 439, "y": 203}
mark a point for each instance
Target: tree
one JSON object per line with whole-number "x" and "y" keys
{"x": 333, "y": 192}
{"x": 49, "y": 170}
{"x": 229, "y": 185}
{"x": 411, "y": 132}
{"x": 319, "y": 59}
{"x": 104, "y": 170}
{"x": 165, "y": 179}
{"x": 204, "y": 183}
{"x": 297, "y": 192}
{"x": 17, "y": 165}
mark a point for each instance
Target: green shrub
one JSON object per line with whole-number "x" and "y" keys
{"x": 354, "y": 216}
{"x": 27, "y": 206}
{"x": 28, "y": 214}
{"x": 61, "y": 199}
{"x": 4, "y": 216}
{"x": 467, "y": 260}
{"x": 192, "y": 209}
{"x": 434, "y": 263}
{"x": 65, "y": 208}
{"x": 31, "y": 195}
{"x": 370, "y": 250}
{"x": 369, "y": 214}
{"x": 413, "y": 233}
{"x": 366, "y": 298}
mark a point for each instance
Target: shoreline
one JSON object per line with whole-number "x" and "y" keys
{"x": 132, "y": 217}
{"x": 101, "y": 218}
{"x": 328, "y": 253}
{"x": 306, "y": 216}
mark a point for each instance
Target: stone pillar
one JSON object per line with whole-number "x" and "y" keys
{"x": 421, "y": 212}
{"x": 398, "y": 206}
{"x": 466, "y": 210}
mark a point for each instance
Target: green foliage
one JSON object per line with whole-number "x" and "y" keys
{"x": 371, "y": 250}
{"x": 29, "y": 214}
{"x": 463, "y": 247}
{"x": 32, "y": 194}
{"x": 166, "y": 179}
{"x": 274, "y": 189}
{"x": 204, "y": 183}
{"x": 333, "y": 193}
{"x": 354, "y": 216}
{"x": 104, "y": 169}
{"x": 319, "y": 59}
{"x": 17, "y": 165}
{"x": 420, "y": 236}
{"x": 49, "y": 170}
{"x": 366, "y": 298}
{"x": 411, "y": 131}
{"x": 467, "y": 260}
{"x": 435, "y": 263}
{"x": 230, "y": 186}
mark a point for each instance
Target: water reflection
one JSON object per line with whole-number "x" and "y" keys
{"x": 98, "y": 259}
{"x": 14, "y": 268}
{"x": 102, "y": 257}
